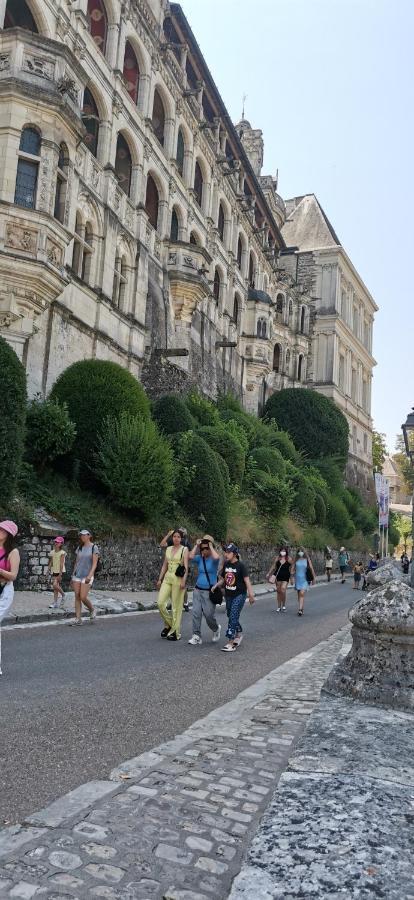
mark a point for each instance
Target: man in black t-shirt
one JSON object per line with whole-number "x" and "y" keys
{"x": 234, "y": 577}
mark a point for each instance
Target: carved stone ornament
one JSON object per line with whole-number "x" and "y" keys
{"x": 172, "y": 186}
{"x": 38, "y": 65}
{"x": 155, "y": 62}
{"x": 4, "y": 62}
{"x": 6, "y": 319}
{"x": 54, "y": 253}
{"x": 18, "y": 237}
{"x": 117, "y": 105}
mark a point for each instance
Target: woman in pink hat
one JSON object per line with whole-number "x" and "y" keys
{"x": 9, "y": 567}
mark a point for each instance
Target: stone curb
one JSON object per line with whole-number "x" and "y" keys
{"x": 114, "y": 608}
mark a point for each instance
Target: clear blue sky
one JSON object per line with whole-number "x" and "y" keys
{"x": 330, "y": 83}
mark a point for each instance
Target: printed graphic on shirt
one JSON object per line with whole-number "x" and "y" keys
{"x": 230, "y": 579}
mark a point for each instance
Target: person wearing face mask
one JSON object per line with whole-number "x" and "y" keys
{"x": 280, "y": 575}
{"x": 304, "y": 575}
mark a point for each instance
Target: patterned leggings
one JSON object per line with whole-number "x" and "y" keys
{"x": 234, "y": 606}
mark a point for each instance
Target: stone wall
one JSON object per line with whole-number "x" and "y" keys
{"x": 129, "y": 564}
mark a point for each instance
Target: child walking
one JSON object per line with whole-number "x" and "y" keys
{"x": 358, "y": 571}
{"x": 57, "y": 559}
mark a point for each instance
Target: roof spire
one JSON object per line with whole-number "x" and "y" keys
{"x": 244, "y": 103}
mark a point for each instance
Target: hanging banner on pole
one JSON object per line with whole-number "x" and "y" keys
{"x": 382, "y": 490}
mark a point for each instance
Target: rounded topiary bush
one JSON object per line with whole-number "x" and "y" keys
{"x": 95, "y": 389}
{"x": 304, "y": 496}
{"x": 225, "y": 474}
{"x": 135, "y": 463}
{"x": 320, "y": 511}
{"x": 338, "y": 519}
{"x": 228, "y": 446}
{"x": 172, "y": 414}
{"x": 203, "y": 410}
{"x": 317, "y": 427}
{"x": 12, "y": 420}
{"x": 201, "y": 491}
{"x": 283, "y": 442}
{"x": 245, "y": 421}
{"x": 273, "y": 495}
{"x": 50, "y": 433}
{"x": 270, "y": 460}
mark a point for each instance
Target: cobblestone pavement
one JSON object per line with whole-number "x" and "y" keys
{"x": 175, "y": 822}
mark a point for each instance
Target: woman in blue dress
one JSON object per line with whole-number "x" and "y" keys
{"x": 304, "y": 575}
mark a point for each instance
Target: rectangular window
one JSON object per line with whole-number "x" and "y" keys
{"x": 354, "y": 384}
{"x": 342, "y": 372}
{"x": 26, "y": 184}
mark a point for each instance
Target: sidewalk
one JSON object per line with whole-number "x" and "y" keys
{"x": 174, "y": 823}
{"x": 33, "y": 606}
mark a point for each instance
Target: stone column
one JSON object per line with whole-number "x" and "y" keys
{"x": 47, "y": 177}
{"x": 144, "y": 94}
{"x": 3, "y": 4}
{"x": 112, "y": 45}
{"x": 169, "y": 137}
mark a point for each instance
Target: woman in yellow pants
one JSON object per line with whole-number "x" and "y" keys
{"x": 172, "y": 587}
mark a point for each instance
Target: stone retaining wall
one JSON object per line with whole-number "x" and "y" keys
{"x": 130, "y": 564}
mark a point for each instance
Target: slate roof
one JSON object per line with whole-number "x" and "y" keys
{"x": 307, "y": 226}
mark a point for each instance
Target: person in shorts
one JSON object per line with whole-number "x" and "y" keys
{"x": 358, "y": 572}
{"x": 343, "y": 562}
{"x": 86, "y": 561}
{"x": 57, "y": 558}
{"x": 234, "y": 577}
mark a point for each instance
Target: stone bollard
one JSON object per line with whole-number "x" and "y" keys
{"x": 379, "y": 668}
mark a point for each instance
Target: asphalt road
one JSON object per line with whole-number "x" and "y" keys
{"x": 75, "y": 702}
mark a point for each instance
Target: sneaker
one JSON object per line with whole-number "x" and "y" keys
{"x": 165, "y": 632}
{"x": 278, "y": 609}
{"x": 216, "y": 635}
{"x": 92, "y": 616}
{"x": 186, "y": 607}
{"x": 53, "y": 606}
{"x": 300, "y": 612}
{"x": 196, "y": 639}
{"x": 238, "y": 639}
{"x": 173, "y": 637}
{"x": 75, "y": 622}
{"x": 283, "y": 608}
{"x": 230, "y": 647}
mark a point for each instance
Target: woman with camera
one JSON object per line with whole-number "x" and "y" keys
{"x": 171, "y": 584}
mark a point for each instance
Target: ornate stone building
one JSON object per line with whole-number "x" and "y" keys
{"x": 135, "y": 224}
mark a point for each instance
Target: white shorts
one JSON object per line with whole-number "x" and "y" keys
{"x": 82, "y": 581}
{"x": 6, "y": 599}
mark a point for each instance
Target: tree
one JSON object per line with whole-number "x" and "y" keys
{"x": 172, "y": 414}
{"x": 228, "y": 446}
{"x": 403, "y": 464}
{"x": 135, "y": 463}
{"x": 201, "y": 491}
{"x": 404, "y": 526}
{"x": 50, "y": 432}
{"x": 379, "y": 451}
{"x": 314, "y": 422}
{"x": 95, "y": 390}
{"x": 12, "y": 420}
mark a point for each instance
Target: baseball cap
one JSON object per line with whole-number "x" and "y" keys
{"x": 59, "y": 540}
{"x": 85, "y": 531}
{"x": 231, "y": 548}
{"x": 10, "y": 527}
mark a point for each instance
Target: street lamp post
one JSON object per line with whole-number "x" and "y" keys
{"x": 408, "y": 432}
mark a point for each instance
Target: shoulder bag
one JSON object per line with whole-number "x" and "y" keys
{"x": 216, "y": 596}
{"x": 181, "y": 570}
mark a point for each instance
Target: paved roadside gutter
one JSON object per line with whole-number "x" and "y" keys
{"x": 32, "y": 606}
{"x": 175, "y": 822}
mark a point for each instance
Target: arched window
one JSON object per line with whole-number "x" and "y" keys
{"x": 98, "y": 23}
{"x": 123, "y": 164}
{"x": 216, "y": 285}
{"x": 82, "y": 250}
{"x": 61, "y": 183}
{"x": 280, "y": 302}
{"x": 221, "y": 221}
{"x": 131, "y": 72}
{"x": 158, "y": 117}
{"x": 175, "y": 226}
{"x": 261, "y": 328}
{"x": 287, "y": 362}
{"x": 236, "y": 309}
{"x": 239, "y": 252}
{"x": 302, "y": 320}
{"x": 180, "y": 151}
{"x": 300, "y": 367}
{"x": 290, "y": 309}
{"x": 120, "y": 282}
{"x": 28, "y": 168}
{"x": 194, "y": 239}
{"x": 90, "y": 119}
{"x": 251, "y": 271}
{"x": 277, "y": 352}
{"x": 152, "y": 201}
{"x": 198, "y": 184}
{"x": 18, "y": 15}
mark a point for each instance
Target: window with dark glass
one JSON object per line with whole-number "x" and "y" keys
{"x": 191, "y": 75}
{"x": 287, "y": 362}
{"x": 300, "y": 368}
{"x": 158, "y": 118}
{"x": 27, "y": 168}
{"x": 131, "y": 72}
{"x": 123, "y": 164}
{"x": 261, "y": 328}
{"x": 90, "y": 119}
{"x": 251, "y": 271}
{"x": 302, "y": 320}
{"x": 174, "y": 226}
{"x": 193, "y": 239}
{"x": 216, "y": 285}
{"x": 152, "y": 201}
{"x": 239, "y": 252}
{"x": 18, "y": 15}
{"x": 221, "y": 221}
{"x": 276, "y": 358}
{"x": 180, "y": 151}
{"x": 97, "y": 22}
{"x": 82, "y": 250}
{"x": 61, "y": 183}
{"x": 279, "y": 304}
{"x": 236, "y": 308}
{"x": 198, "y": 184}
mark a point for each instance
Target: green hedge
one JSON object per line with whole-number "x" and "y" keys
{"x": 304, "y": 496}
{"x": 50, "y": 432}
{"x": 280, "y": 440}
{"x": 316, "y": 425}
{"x": 273, "y": 495}
{"x": 243, "y": 420}
{"x": 12, "y": 421}
{"x": 270, "y": 460}
{"x": 95, "y": 389}
{"x": 135, "y": 463}
{"x": 172, "y": 414}
{"x": 228, "y": 446}
{"x": 320, "y": 511}
{"x": 338, "y": 519}
{"x": 202, "y": 410}
{"x": 200, "y": 490}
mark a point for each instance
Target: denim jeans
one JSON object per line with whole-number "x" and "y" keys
{"x": 234, "y": 606}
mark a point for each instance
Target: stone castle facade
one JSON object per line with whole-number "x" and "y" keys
{"x": 136, "y": 226}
